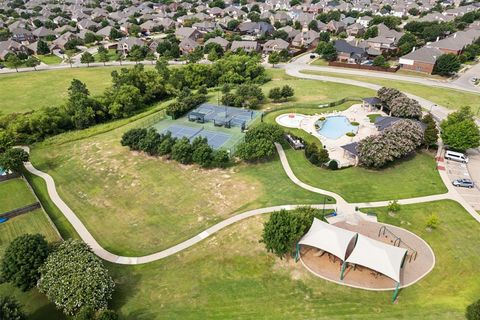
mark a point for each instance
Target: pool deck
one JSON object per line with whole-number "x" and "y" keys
{"x": 356, "y": 113}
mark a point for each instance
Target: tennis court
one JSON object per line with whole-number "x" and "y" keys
{"x": 223, "y": 114}
{"x": 215, "y": 139}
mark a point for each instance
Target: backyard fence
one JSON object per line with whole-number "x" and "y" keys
{"x": 363, "y": 67}
{"x": 9, "y": 176}
{"x": 19, "y": 211}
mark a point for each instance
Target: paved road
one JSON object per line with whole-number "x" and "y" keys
{"x": 340, "y": 206}
{"x": 465, "y": 79}
{"x": 438, "y": 112}
{"x": 303, "y": 63}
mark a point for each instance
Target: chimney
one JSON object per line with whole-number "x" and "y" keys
{"x": 413, "y": 50}
{"x": 454, "y": 35}
{"x": 437, "y": 38}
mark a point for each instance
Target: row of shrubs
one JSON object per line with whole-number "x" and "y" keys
{"x": 184, "y": 103}
{"x": 182, "y": 150}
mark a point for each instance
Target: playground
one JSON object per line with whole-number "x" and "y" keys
{"x": 418, "y": 261}
{"x": 222, "y": 126}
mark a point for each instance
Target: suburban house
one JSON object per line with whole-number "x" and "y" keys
{"x": 125, "y": 44}
{"x": 308, "y": 39}
{"x": 355, "y": 30}
{"x": 457, "y": 42}
{"x": 11, "y": 46}
{"x": 247, "y": 46}
{"x": 422, "y": 60}
{"x": 21, "y": 35}
{"x": 348, "y": 53}
{"x": 275, "y": 45}
{"x": 187, "y": 32}
{"x": 336, "y": 26}
{"x": 219, "y": 40}
{"x": 187, "y": 45}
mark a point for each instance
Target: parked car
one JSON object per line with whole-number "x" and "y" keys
{"x": 456, "y": 156}
{"x": 464, "y": 183}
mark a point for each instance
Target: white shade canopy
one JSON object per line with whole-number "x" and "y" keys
{"x": 378, "y": 256}
{"x": 328, "y": 238}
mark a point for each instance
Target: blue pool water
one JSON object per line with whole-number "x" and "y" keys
{"x": 2, "y": 172}
{"x": 335, "y": 127}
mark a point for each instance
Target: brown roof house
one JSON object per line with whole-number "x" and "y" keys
{"x": 219, "y": 40}
{"x": 247, "y": 46}
{"x": 421, "y": 60}
{"x": 308, "y": 39}
{"x": 187, "y": 45}
{"x": 125, "y": 44}
{"x": 275, "y": 45}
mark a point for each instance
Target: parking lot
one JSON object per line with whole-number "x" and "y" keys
{"x": 457, "y": 170}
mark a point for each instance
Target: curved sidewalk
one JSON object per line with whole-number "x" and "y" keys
{"x": 87, "y": 237}
{"x": 341, "y": 206}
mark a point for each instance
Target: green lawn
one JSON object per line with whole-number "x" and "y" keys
{"x": 163, "y": 201}
{"x": 33, "y": 302}
{"x": 356, "y": 184}
{"x": 14, "y": 194}
{"x": 449, "y": 98}
{"x": 310, "y": 93}
{"x": 230, "y": 275}
{"x": 49, "y": 59}
{"x": 112, "y": 53}
{"x": 319, "y": 62}
{"x": 28, "y": 91}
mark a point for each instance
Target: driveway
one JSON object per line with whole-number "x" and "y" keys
{"x": 457, "y": 170}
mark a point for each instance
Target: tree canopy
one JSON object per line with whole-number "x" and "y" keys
{"x": 22, "y": 260}
{"x": 13, "y": 158}
{"x": 285, "y": 228}
{"x": 10, "y": 309}
{"x": 459, "y": 130}
{"x": 73, "y": 277}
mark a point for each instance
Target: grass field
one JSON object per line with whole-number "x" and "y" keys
{"x": 358, "y": 184}
{"x": 49, "y": 59}
{"x": 14, "y": 194}
{"x": 28, "y": 91}
{"x": 230, "y": 275}
{"x": 101, "y": 181}
{"x": 310, "y": 93}
{"x": 449, "y": 98}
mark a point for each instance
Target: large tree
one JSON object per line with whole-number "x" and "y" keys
{"x": 459, "y": 130}
{"x": 285, "y": 228}
{"x": 42, "y": 47}
{"x": 10, "y": 309}
{"x": 12, "y": 159}
{"x": 430, "y": 135}
{"x": 446, "y": 65}
{"x": 22, "y": 260}
{"x": 13, "y": 61}
{"x": 73, "y": 277}
{"x": 397, "y": 141}
{"x": 87, "y": 58}
{"x": 473, "y": 311}
{"x": 259, "y": 142}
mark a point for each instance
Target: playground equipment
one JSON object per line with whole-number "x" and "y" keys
{"x": 398, "y": 241}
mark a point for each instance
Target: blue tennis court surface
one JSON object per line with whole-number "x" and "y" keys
{"x": 215, "y": 139}
{"x": 234, "y": 116}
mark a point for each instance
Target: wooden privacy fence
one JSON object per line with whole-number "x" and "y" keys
{"x": 19, "y": 211}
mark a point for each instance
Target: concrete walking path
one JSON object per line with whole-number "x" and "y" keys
{"x": 340, "y": 206}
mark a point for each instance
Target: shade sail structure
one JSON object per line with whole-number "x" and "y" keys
{"x": 381, "y": 257}
{"x": 334, "y": 240}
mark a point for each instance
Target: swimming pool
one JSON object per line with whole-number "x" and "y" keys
{"x": 2, "y": 172}
{"x": 335, "y": 127}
